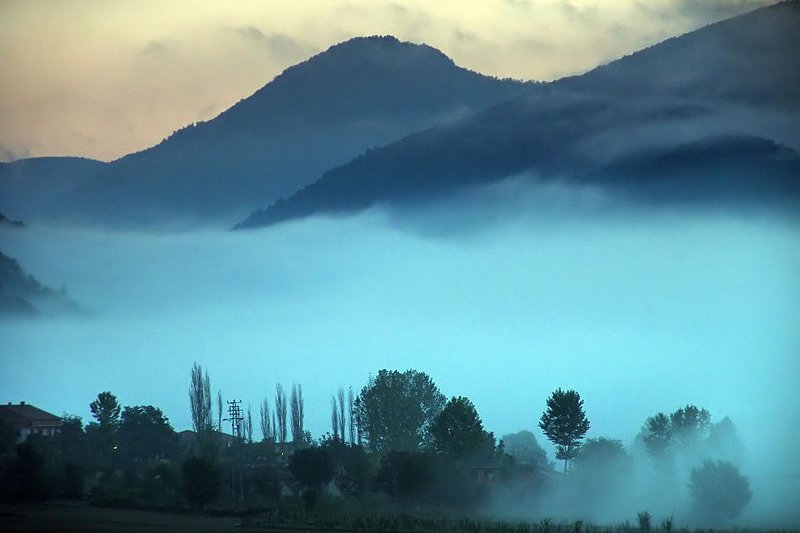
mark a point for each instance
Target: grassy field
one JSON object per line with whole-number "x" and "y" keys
{"x": 81, "y": 518}
{"x": 85, "y": 519}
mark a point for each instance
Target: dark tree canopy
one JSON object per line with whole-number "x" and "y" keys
{"x": 352, "y": 465}
{"x": 719, "y": 491}
{"x": 312, "y": 467}
{"x": 145, "y": 434}
{"x": 565, "y": 423}
{"x": 603, "y": 460}
{"x": 686, "y": 433}
{"x": 723, "y": 441}
{"x": 106, "y": 410}
{"x": 70, "y": 440}
{"x": 601, "y": 468}
{"x": 657, "y": 435}
{"x": 101, "y": 436}
{"x": 524, "y": 448}
{"x": 458, "y": 430}
{"x": 396, "y": 410}
{"x": 689, "y": 425}
{"x": 202, "y": 481}
{"x": 405, "y": 475}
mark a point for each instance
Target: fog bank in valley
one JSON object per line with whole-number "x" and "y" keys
{"x": 639, "y": 311}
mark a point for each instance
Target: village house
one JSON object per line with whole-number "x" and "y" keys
{"x": 28, "y": 420}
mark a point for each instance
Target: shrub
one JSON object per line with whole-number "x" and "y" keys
{"x": 719, "y": 491}
{"x": 202, "y": 481}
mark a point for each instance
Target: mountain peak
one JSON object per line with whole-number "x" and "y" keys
{"x": 368, "y": 77}
{"x": 380, "y": 48}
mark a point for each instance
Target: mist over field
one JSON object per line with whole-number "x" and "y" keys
{"x": 639, "y": 310}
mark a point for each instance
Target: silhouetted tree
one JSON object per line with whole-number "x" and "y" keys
{"x": 298, "y": 434}
{"x": 200, "y": 400}
{"x": 600, "y": 469}
{"x": 683, "y": 434}
{"x": 458, "y": 431}
{"x": 101, "y": 436}
{"x": 220, "y": 412}
{"x": 202, "y": 481}
{"x": 719, "y": 491}
{"x": 72, "y": 456}
{"x": 106, "y": 410}
{"x": 352, "y": 465}
{"x": 145, "y": 434}
{"x": 524, "y": 448}
{"x": 248, "y": 427}
{"x": 28, "y": 474}
{"x": 396, "y": 410}
{"x": 723, "y": 442}
{"x": 280, "y": 412}
{"x": 312, "y": 467}
{"x": 266, "y": 424}
{"x": 334, "y": 418}
{"x": 342, "y": 420}
{"x": 657, "y": 436}
{"x": 70, "y": 440}
{"x": 405, "y": 475}
{"x": 564, "y": 423}
{"x": 351, "y": 416}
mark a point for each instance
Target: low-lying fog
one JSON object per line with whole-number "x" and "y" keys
{"x": 639, "y": 311}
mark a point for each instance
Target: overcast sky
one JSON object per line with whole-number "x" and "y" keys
{"x": 101, "y": 79}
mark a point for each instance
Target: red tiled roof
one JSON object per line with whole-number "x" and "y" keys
{"x": 25, "y": 415}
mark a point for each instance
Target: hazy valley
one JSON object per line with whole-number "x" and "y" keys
{"x": 631, "y": 233}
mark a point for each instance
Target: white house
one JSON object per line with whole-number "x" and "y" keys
{"x": 29, "y": 420}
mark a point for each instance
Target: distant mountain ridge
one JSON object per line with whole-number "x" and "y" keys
{"x": 731, "y": 85}
{"x": 27, "y": 186}
{"x": 320, "y": 113}
{"x": 22, "y": 295}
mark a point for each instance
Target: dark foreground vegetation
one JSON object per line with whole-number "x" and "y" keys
{"x": 399, "y": 457}
{"x": 83, "y": 518}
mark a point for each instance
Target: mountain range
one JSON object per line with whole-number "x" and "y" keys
{"x": 317, "y": 114}
{"x": 710, "y": 117}
{"x": 707, "y": 117}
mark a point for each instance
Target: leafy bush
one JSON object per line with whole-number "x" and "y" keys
{"x": 719, "y": 491}
{"x": 202, "y": 481}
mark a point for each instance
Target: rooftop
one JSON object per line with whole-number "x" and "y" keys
{"x": 25, "y": 414}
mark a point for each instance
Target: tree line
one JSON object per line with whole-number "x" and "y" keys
{"x": 398, "y": 440}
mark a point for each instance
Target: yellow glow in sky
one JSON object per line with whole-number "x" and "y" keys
{"x": 101, "y": 79}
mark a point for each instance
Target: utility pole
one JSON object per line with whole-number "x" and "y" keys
{"x": 235, "y": 418}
